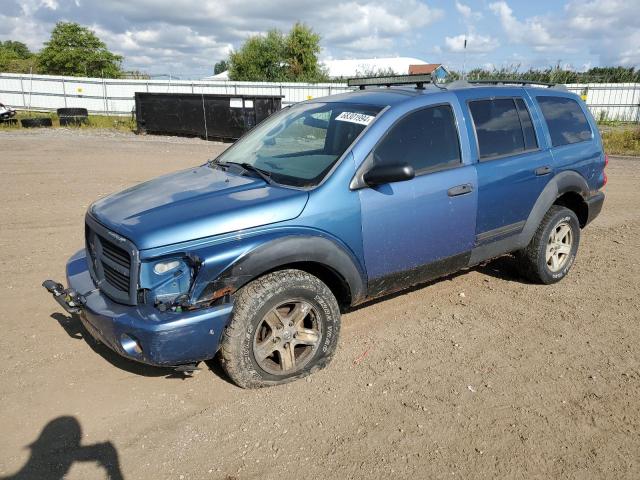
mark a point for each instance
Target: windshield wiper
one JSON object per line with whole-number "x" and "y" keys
{"x": 263, "y": 174}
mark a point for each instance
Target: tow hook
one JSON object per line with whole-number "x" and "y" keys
{"x": 68, "y": 298}
{"x": 187, "y": 369}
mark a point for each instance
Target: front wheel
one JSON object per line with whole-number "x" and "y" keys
{"x": 285, "y": 326}
{"x": 552, "y": 250}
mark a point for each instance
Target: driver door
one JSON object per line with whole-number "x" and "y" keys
{"x": 422, "y": 228}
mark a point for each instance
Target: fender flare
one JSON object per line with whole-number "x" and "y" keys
{"x": 563, "y": 182}
{"x": 284, "y": 251}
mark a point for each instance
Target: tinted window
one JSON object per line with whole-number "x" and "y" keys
{"x": 565, "y": 119}
{"x": 498, "y": 128}
{"x": 426, "y": 140}
{"x": 530, "y": 141}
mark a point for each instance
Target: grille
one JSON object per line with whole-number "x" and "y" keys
{"x": 111, "y": 265}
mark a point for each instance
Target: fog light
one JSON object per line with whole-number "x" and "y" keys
{"x": 130, "y": 345}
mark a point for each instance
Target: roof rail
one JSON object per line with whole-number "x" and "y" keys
{"x": 516, "y": 82}
{"x": 417, "y": 79}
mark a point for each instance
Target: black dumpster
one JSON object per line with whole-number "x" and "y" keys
{"x": 222, "y": 117}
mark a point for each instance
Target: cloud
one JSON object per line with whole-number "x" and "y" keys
{"x": 475, "y": 43}
{"x": 466, "y": 12}
{"x": 606, "y": 29}
{"x": 191, "y": 35}
{"x": 376, "y": 28}
{"x": 533, "y": 31}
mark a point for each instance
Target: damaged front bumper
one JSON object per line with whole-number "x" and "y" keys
{"x": 141, "y": 333}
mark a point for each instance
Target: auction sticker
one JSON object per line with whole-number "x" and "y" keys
{"x": 354, "y": 117}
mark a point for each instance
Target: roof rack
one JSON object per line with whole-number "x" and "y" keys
{"x": 513, "y": 82}
{"x": 417, "y": 79}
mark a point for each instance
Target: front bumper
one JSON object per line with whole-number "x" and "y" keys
{"x": 142, "y": 332}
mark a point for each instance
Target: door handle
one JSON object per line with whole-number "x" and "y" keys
{"x": 460, "y": 190}
{"x": 546, "y": 170}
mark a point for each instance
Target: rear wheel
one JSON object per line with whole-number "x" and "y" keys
{"x": 552, "y": 250}
{"x": 285, "y": 326}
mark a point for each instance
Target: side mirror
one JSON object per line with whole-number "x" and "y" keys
{"x": 381, "y": 174}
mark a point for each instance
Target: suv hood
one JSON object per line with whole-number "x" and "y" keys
{"x": 195, "y": 203}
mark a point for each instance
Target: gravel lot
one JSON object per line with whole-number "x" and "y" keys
{"x": 479, "y": 375}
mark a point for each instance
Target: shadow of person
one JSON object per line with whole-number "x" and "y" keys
{"x": 58, "y": 448}
{"x": 74, "y": 328}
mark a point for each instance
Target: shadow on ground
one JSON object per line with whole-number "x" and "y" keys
{"x": 58, "y": 448}
{"x": 76, "y": 330}
{"x": 505, "y": 268}
{"x": 73, "y": 326}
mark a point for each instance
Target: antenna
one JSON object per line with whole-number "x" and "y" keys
{"x": 464, "y": 59}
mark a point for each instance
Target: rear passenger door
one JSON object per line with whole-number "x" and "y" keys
{"x": 512, "y": 168}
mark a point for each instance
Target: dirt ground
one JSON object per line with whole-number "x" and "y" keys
{"x": 479, "y": 375}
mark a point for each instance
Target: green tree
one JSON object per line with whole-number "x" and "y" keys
{"x": 276, "y": 57}
{"x": 301, "y": 50}
{"x": 16, "y": 57}
{"x": 18, "y": 49}
{"x": 557, "y": 74}
{"x": 77, "y": 51}
{"x": 221, "y": 66}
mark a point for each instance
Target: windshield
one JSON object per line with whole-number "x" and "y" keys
{"x": 299, "y": 145}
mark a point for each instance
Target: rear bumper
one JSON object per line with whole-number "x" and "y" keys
{"x": 594, "y": 204}
{"x": 142, "y": 332}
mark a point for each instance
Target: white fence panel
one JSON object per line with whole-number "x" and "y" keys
{"x": 611, "y": 101}
{"x": 607, "y": 101}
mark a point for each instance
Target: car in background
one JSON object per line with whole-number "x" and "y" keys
{"x": 6, "y": 113}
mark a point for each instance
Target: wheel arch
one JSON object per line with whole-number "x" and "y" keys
{"x": 576, "y": 203}
{"x": 316, "y": 255}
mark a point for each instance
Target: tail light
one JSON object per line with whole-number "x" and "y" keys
{"x": 604, "y": 174}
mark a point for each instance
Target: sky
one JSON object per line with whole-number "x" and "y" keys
{"x": 185, "y": 38}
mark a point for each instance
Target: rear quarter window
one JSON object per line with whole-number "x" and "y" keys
{"x": 565, "y": 119}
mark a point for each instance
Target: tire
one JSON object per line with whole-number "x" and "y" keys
{"x": 72, "y": 121}
{"x": 36, "y": 122}
{"x": 280, "y": 307}
{"x": 72, "y": 112}
{"x": 548, "y": 259}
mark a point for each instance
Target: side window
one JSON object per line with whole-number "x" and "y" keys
{"x": 565, "y": 119}
{"x": 501, "y": 127}
{"x": 427, "y": 140}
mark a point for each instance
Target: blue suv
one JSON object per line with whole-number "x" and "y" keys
{"x": 325, "y": 205}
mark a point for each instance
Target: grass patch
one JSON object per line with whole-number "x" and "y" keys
{"x": 624, "y": 140}
{"x": 113, "y": 122}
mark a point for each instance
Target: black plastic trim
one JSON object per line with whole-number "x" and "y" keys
{"x": 407, "y": 278}
{"x": 291, "y": 250}
{"x": 490, "y": 235}
{"x": 594, "y": 203}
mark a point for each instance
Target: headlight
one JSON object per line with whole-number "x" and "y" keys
{"x": 161, "y": 268}
{"x": 165, "y": 280}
